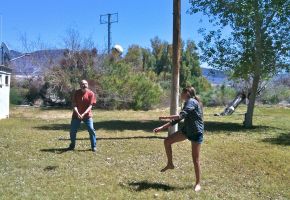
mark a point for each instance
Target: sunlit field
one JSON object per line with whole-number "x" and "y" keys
{"x": 237, "y": 163}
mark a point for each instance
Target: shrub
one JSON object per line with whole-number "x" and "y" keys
{"x": 219, "y": 95}
{"x": 275, "y": 94}
{"x": 122, "y": 88}
{"x": 17, "y": 95}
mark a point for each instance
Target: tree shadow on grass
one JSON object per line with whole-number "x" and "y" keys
{"x": 217, "y": 127}
{"x": 113, "y": 125}
{"x": 145, "y": 185}
{"x": 282, "y": 139}
{"x": 149, "y": 125}
{"x": 119, "y": 138}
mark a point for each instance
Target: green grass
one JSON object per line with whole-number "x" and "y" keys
{"x": 236, "y": 163}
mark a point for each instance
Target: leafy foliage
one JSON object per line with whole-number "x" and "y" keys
{"x": 237, "y": 52}
{"x": 277, "y": 91}
{"x": 258, "y": 44}
{"x": 122, "y": 88}
{"x": 218, "y": 96}
{"x": 64, "y": 78}
{"x": 17, "y": 96}
{"x": 135, "y": 80}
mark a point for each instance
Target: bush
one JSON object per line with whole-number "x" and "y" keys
{"x": 63, "y": 79}
{"x": 218, "y": 96}
{"x": 275, "y": 94}
{"x": 201, "y": 84}
{"x": 122, "y": 88}
{"x": 146, "y": 93}
{"x": 17, "y": 96}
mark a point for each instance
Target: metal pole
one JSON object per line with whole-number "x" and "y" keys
{"x": 109, "y": 19}
{"x": 1, "y": 24}
{"x": 109, "y": 33}
{"x": 2, "y": 55}
{"x": 175, "y": 61}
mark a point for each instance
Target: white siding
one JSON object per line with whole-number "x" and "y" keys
{"x": 4, "y": 95}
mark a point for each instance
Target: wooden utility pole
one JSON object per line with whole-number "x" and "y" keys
{"x": 175, "y": 61}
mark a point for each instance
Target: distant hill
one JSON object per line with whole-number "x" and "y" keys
{"x": 39, "y": 61}
{"x": 214, "y": 76}
{"x": 36, "y": 63}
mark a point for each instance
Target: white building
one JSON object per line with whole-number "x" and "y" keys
{"x": 5, "y": 76}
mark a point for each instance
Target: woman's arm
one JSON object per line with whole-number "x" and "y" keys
{"x": 165, "y": 126}
{"x": 171, "y": 117}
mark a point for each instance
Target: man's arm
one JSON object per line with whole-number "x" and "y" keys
{"x": 92, "y": 102}
{"x": 75, "y": 109}
{"x": 87, "y": 110}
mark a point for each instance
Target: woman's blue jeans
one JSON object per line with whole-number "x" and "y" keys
{"x": 75, "y": 124}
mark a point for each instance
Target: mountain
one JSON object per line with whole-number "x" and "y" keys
{"x": 37, "y": 62}
{"x": 214, "y": 76}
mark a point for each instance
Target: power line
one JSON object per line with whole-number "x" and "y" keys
{"x": 109, "y": 19}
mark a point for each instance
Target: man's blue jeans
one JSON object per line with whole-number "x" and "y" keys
{"x": 75, "y": 124}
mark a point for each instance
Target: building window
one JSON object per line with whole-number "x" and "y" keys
{"x": 6, "y": 80}
{"x": 0, "y": 81}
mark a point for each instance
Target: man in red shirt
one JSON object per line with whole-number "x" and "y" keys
{"x": 83, "y": 101}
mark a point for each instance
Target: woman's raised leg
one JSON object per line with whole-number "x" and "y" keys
{"x": 175, "y": 137}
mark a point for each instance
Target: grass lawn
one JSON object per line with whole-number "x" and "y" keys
{"x": 236, "y": 163}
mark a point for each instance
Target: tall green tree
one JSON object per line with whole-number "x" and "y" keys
{"x": 258, "y": 45}
{"x": 134, "y": 56}
{"x": 190, "y": 71}
{"x": 162, "y": 52}
{"x": 140, "y": 58}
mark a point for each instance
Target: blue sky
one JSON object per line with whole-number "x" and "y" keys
{"x": 139, "y": 21}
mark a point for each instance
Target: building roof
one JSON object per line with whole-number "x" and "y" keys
{"x": 5, "y": 69}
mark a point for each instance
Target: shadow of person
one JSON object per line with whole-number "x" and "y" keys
{"x": 62, "y": 150}
{"x": 56, "y": 150}
{"x": 145, "y": 185}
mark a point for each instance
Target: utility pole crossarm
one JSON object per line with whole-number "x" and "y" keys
{"x": 109, "y": 19}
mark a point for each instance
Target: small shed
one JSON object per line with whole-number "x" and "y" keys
{"x": 5, "y": 77}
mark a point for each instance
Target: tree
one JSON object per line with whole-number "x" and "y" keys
{"x": 148, "y": 60}
{"x": 258, "y": 46}
{"x": 134, "y": 57}
{"x": 162, "y": 52}
{"x": 140, "y": 58}
{"x": 190, "y": 71}
{"x": 64, "y": 78}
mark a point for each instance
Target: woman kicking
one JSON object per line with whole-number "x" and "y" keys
{"x": 192, "y": 130}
